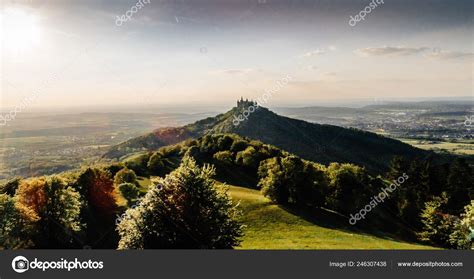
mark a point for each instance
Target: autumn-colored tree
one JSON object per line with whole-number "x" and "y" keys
{"x": 31, "y": 194}
{"x": 97, "y": 187}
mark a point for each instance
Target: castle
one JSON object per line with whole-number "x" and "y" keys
{"x": 245, "y": 103}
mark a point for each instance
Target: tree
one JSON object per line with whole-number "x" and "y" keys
{"x": 125, "y": 176}
{"x": 130, "y": 192}
{"x": 462, "y": 236}
{"x": 10, "y": 187}
{"x": 99, "y": 198}
{"x": 224, "y": 156}
{"x": 155, "y": 164}
{"x": 272, "y": 182}
{"x": 437, "y": 225}
{"x": 183, "y": 211}
{"x": 55, "y": 207}
{"x": 349, "y": 187}
{"x": 460, "y": 184}
{"x": 97, "y": 188}
{"x": 248, "y": 157}
{"x": 15, "y": 225}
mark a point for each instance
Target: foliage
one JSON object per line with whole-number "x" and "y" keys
{"x": 290, "y": 180}
{"x": 437, "y": 225}
{"x": 183, "y": 211}
{"x": 226, "y": 157}
{"x": 462, "y": 236}
{"x": 349, "y": 187}
{"x": 15, "y": 226}
{"x": 130, "y": 192}
{"x": 125, "y": 176}
{"x": 460, "y": 184}
{"x": 97, "y": 189}
{"x": 55, "y": 209}
{"x": 155, "y": 164}
{"x": 10, "y": 187}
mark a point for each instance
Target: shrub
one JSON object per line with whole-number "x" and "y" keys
{"x": 183, "y": 211}
{"x": 138, "y": 163}
{"x": 125, "y": 176}
{"x": 224, "y": 156}
{"x": 10, "y": 187}
{"x": 155, "y": 164}
{"x": 130, "y": 192}
{"x": 238, "y": 145}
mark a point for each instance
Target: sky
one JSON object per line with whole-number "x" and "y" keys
{"x": 65, "y": 53}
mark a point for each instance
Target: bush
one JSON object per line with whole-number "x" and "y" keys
{"x": 125, "y": 176}
{"x": 10, "y": 187}
{"x": 155, "y": 164}
{"x": 138, "y": 163}
{"x": 224, "y": 156}
{"x": 238, "y": 145}
{"x": 130, "y": 192}
{"x": 183, "y": 211}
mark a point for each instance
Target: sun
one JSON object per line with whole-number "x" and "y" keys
{"x": 19, "y": 31}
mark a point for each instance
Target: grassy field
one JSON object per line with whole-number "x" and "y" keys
{"x": 270, "y": 227}
{"x": 465, "y": 147}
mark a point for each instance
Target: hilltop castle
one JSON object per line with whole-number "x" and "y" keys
{"x": 245, "y": 103}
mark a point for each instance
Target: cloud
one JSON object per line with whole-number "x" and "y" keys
{"x": 235, "y": 71}
{"x": 445, "y": 54}
{"x": 312, "y": 67}
{"x": 316, "y": 52}
{"x": 433, "y": 53}
{"x": 390, "y": 51}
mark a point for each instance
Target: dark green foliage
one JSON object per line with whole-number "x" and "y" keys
{"x": 60, "y": 218}
{"x": 138, "y": 163}
{"x": 226, "y": 157}
{"x": 290, "y": 180}
{"x": 15, "y": 227}
{"x": 125, "y": 176}
{"x": 349, "y": 187}
{"x": 183, "y": 211}
{"x": 10, "y": 187}
{"x": 238, "y": 145}
{"x": 114, "y": 168}
{"x": 155, "y": 164}
{"x": 460, "y": 186}
{"x": 130, "y": 192}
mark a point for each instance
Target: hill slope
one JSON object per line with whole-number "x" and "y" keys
{"x": 268, "y": 226}
{"x": 315, "y": 142}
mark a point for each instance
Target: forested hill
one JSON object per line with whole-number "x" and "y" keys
{"x": 319, "y": 143}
